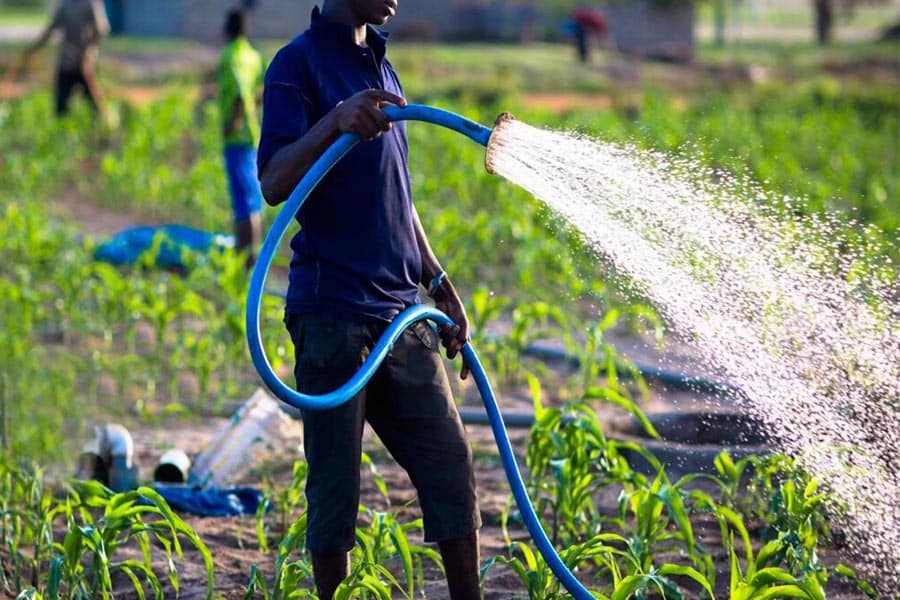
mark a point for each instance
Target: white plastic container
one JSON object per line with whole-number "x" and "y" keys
{"x": 259, "y": 429}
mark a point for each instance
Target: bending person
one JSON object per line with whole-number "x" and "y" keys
{"x": 83, "y": 24}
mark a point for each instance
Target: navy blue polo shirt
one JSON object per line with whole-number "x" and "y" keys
{"x": 356, "y": 254}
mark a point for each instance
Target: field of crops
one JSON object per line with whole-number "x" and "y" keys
{"x": 85, "y": 341}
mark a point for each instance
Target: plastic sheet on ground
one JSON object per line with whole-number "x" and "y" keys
{"x": 173, "y": 246}
{"x": 211, "y": 502}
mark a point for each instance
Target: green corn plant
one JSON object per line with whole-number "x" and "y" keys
{"x": 380, "y": 545}
{"x": 140, "y": 516}
{"x": 292, "y": 577}
{"x": 792, "y": 509}
{"x": 616, "y": 573}
{"x": 365, "y": 586}
{"x": 845, "y": 572}
{"x": 27, "y": 512}
{"x": 660, "y": 522}
{"x": 569, "y": 459}
{"x": 203, "y": 356}
{"x": 535, "y": 575}
{"x": 799, "y": 523}
{"x": 763, "y": 582}
{"x": 367, "y": 462}
{"x": 256, "y": 585}
{"x": 484, "y": 306}
{"x": 564, "y": 461}
{"x": 287, "y": 501}
{"x": 732, "y": 475}
{"x": 661, "y": 581}
{"x": 98, "y": 524}
{"x": 788, "y": 565}
{"x": 597, "y": 357}
{"x": 109, "y": 289}
{"x": 531, "y": 322}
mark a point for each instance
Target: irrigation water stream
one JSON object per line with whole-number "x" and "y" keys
{"x": 803, "y": 321}
{"x": 807, "y": 326}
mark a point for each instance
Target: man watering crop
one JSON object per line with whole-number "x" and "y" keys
{"x": 359, "y": 259}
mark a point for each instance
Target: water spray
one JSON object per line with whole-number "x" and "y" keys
{"x": 799, "y": 318}
{"x": 481, "y": 135}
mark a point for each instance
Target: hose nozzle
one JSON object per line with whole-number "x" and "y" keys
{"x": 499, "y": 123}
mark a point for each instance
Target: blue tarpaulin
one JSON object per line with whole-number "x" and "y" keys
{"x": 211, "y": 502}
{"x": 175, "y": 244}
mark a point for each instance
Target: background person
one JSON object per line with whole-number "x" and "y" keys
{"x": 240, "y": 77}
{"x": 359, "y": 259}
{"x": 588, "y": 26}
{"x": 83, "y": 24}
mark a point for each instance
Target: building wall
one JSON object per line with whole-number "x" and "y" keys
{"x": 270, "y": 19}
{"x": 152, "y": 17}
{"x": 491, "y": 20}
{"x": 637, "y": 26}
{"x": 283, "y": 19}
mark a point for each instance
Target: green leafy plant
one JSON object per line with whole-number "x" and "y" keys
{"x": 98, "y": 524}
{"x": 384, "y": 542}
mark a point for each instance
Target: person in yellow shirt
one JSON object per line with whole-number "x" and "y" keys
{"x": 241, "y": 76}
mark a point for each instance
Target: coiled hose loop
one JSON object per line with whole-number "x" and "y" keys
{"x": 329, "y": 158}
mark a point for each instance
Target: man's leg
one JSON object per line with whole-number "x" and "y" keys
{"x": 92, "y": 91}
{"x": 328, "y": 352}
{"x": 65, "y": 85}
{"x": 329, "y": 570}
{"x": 246, "y": 199}
{"x": 247, "y": 236}
{"x": 581, "y": 43}
{"x": 412, "y": 410}
{"x": 462, "y": 563}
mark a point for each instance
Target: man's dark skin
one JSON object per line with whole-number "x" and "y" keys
{"x": 361, "y": 114}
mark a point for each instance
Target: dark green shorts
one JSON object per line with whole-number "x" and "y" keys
{"x": 410, "y": 407}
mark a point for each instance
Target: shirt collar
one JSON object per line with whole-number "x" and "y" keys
{"x": 376, "y": 39}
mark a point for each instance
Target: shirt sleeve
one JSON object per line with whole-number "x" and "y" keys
{"x": 287, "y": 106}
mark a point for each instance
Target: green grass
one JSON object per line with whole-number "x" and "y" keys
{"x": 805, "y": 58}
{"x": 799, "y": 15}
{"x": 150, "y": 46}
{"x": 23, "y": 15}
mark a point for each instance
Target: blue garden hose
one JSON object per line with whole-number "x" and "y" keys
{"x": 329, "y": 158}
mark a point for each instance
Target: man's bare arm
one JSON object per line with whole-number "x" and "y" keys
{"x": 101, "y": 22}
{"x": 360, "y": 114}
{"x": 445, "y": 296}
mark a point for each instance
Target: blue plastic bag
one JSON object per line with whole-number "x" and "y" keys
{"x": 211, "y": 502}
{"x": 176, "y": 244}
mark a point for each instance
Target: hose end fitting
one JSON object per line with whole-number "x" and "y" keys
{"x": 501, "y": 120}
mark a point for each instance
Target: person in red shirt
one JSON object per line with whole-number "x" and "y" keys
{"x": 588, "y": 24}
